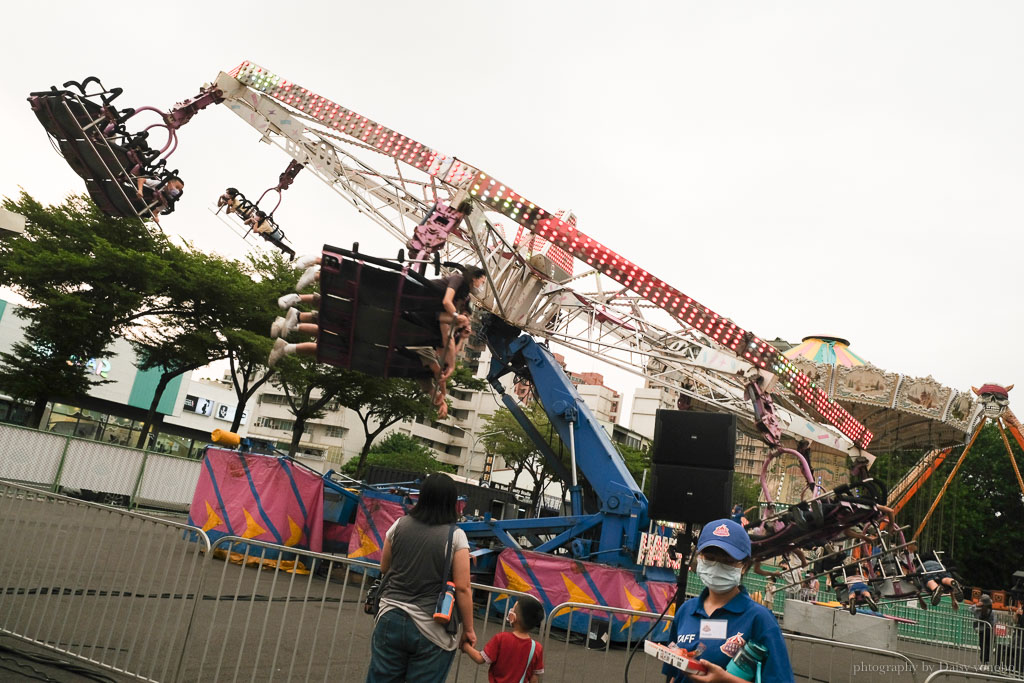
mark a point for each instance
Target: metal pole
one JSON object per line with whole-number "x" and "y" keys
{"x": 572, "y": 452}
{"x": 956, "y": 468}
{"x": 1009, "y": 452}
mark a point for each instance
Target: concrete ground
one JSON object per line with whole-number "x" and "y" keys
{"x": 135, "y": 594}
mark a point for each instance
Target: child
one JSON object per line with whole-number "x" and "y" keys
{"x": 513, "y": 656}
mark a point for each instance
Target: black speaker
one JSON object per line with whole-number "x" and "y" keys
{"x": 683, "y": 437}
{"x": 690, "y": 494}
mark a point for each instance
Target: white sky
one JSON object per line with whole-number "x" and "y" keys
{"x": 800, "y": 167}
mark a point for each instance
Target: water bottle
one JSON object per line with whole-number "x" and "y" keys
{"x": 747, "y": 662}
{"x": 445, "y": 604}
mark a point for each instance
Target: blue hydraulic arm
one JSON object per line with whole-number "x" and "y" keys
{"x": 623, "y": 505}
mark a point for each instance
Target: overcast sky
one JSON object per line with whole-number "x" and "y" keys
{"x": 801, "y": 167}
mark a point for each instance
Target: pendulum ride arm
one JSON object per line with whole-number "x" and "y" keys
{"x": 489, "y": 194}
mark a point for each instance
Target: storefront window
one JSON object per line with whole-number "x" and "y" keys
{"x": 113, "y": 430}
{"x": 173, "y": 444}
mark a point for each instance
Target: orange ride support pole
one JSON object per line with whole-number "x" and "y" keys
{"x": 939, "y": 458}
{"x": 1015, "y": 430}
{"x": 942, "y": 491}
{"x": 1009, "y": 452}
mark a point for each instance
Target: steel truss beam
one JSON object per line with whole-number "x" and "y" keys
{"x": 523, "y": 289}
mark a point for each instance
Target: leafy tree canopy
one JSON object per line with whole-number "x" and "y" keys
{"x": 401, "y": 451}
{"x": 85, "y": 277}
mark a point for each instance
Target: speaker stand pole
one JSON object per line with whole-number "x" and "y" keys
{"x": 683, "y": 544}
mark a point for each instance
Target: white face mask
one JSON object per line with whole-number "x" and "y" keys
{"x": 718, "y": 577}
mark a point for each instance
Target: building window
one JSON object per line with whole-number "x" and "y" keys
{"x": 276, "y": 399}
{"x": 276, "y": 423}
{"x": 336, "y": 432}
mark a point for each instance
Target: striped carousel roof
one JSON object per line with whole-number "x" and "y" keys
{"x": 825, "y": 351}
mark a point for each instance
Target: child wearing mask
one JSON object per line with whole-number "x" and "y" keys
{"x": 719, "y": 622}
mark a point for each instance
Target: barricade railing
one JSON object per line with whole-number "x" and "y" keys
{"x": 1008, "y": 651}
{"x": 271, "y": 611}
{"x": 607, "y": 642}
{"x": 113, "y": 588}
{"x": 961, "y": 642}
{"x": 70, "y": 464}
{"x": 818, "y": 659}
{"x": 956, "y": 676}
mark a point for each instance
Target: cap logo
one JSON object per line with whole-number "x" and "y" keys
{"x": 721, "y": 530}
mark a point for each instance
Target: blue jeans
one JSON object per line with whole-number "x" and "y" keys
{"x": 399, "y": 652}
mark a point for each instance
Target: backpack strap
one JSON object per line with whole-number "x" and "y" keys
{"x": 529, "y": 658}
{"x": 447, "y": 571}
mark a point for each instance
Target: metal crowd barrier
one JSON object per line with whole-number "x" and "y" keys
{"x": 590, "y": 626}
{"x": 95, "y": 583}
{"x": 1008, "y": 651}
{"x": 139, "y": 595}
{"x": 300, "y": 621}
{"x": 817, "y": 659}
{"x": 953, "y": 676}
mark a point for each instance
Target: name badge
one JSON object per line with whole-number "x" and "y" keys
{"x": 713, "y": 629}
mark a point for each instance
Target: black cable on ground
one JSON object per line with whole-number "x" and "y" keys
{"x": 679, "y": 589}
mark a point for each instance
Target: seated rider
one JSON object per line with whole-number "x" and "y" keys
{"x": 937, "y": 578}
{"x": 231, "y": 198}
{"x": 159, "y": 195}
{"x": 455, "y": 301}
{"x": 859, "y": 591}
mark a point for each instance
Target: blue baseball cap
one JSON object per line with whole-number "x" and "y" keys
{"x": 727, "y": 535}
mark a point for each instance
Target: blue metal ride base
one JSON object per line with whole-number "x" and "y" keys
{"x": 622, "y": 513}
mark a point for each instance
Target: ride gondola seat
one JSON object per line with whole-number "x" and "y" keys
{"x": 373, "y": 314}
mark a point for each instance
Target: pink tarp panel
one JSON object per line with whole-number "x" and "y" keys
{"x": 373, "y": 519}
{"x": 259, "y": 497}
{"x": 554, "y": 580}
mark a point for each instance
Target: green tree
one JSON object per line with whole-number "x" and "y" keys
{"x": 308, "y": 387}
{"x": 380, "y": 403}
{"x": 505, "y": 437}
{"x": 746, "y": 490}
{"x": 637, "y": 462}
{"x": 403, "y": 452}
{"x": 248, "y": 343}
{"x": 975, "y": 522}
{"x": 80, "y": 271}
{"x": 214, "y": 314}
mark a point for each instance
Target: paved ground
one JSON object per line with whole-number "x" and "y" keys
{"x": 124, "y": 591}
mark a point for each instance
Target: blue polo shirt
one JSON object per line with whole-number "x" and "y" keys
{"x": 745, "y": 620}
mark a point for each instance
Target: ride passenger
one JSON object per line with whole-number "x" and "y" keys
{"x": 407, "y": 643}
{"x": 457, "y": 288}
{"x": 231, "y": 198}
{"x": 936, "y": 577}
{"x": 150, "y": 190}
{"x": 723, "y": 618}
{"x": 859, "y": 590}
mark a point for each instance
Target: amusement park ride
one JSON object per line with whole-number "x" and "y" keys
{"x": 446, "y": 212}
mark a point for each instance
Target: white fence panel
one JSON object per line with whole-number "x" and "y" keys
{"x": 100, "y": 467}
{"x": 29, "y": 455}
{"x": 168, "y": 481}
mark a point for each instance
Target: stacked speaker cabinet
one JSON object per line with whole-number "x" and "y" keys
{"x": 693, "y": 461}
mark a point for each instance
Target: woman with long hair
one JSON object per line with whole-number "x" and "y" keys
{"x": 407, "y": 643}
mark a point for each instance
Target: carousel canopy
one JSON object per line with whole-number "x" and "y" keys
{"x": 903, "y": 412}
